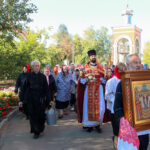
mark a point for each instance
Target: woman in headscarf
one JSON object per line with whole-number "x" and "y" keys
{"x": 50, "y": 81}
{"x": 109, "y": 74}
{"x": 19, "y": 85}
{"x": 64, "y": 84}
{"x": 146, "y": 67}
{"x": 56, "y": 71}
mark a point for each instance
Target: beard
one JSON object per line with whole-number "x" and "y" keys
{"x": 93, "y": 60}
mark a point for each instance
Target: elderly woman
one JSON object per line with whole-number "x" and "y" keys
{"x": 64, "y": 83}
{"x": 109, "y": 74}
{"x": 50, "y": 81}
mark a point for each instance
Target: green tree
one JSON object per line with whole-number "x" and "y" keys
{"x": 54, "y": 56}
{"x": 78, "y": 48}
{"x": 8, "y": 56}
{"x": 99, "y": 40}
{"x": 34, "y": 45}
{"x": 29, "y": 48}
{"x": 146, "y": 55}
{"x": 15, "y": 14}
{"x": 64, "y": 41}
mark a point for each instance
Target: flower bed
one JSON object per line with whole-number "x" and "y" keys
{"x": 8, "y": 99}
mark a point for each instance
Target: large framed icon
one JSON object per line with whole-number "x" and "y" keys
{"x": 136, "y": 98}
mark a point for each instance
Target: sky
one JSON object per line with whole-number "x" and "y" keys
{"x": 78, "y": 15}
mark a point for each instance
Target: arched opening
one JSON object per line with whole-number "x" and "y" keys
{"x": 123, "y": 49}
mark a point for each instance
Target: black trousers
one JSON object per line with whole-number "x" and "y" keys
{"x": 37, "y": 124}
{"x": 144, "y": 141}
{"x": 113, "y": 123}
{"x": 25, "y": 110}
{"x": 73, "y": 99}
{"x": 37, "y": 117}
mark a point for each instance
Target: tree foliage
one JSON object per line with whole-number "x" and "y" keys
{"x": 33, "y": 47}
{"x": 15, "y": 14}
{"x": 99, "y": 40}
{"x": 8, "y": 59}
{"x": 146, "y": 55}
{"x": 54, "y": 56}
{"x": 64, "y": 41}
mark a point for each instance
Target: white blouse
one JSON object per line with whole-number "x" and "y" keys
{"x": 110, "y": 92}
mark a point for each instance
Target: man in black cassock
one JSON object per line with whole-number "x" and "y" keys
{"x": 35, "y": 93}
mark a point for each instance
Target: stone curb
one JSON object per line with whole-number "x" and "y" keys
{"x": 8, "y": 117}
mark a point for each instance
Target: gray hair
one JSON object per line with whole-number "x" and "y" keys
{"x": 129, "y": 56}
{"x": 120, "y": 66}
{"x": 35, "y": 61}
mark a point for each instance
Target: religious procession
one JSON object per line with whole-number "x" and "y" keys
{"x": 86, "y": 88}
{"x": 93, "y": 91}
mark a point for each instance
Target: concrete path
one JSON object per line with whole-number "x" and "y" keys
{"x": 66, "y": 135}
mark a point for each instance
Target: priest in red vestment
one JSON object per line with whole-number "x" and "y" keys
{"x": 90, "y": 94}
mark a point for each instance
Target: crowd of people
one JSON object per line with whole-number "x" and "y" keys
{"x": 92, "y": 90}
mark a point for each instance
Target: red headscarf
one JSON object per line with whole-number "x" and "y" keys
{"x": 55, "y": 70}
{"x": 28, "y": 67}
{"x": 117, "y": 74}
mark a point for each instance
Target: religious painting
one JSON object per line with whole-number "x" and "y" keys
{"x": 136, "y": 98}
{"x": 141, "y": 101}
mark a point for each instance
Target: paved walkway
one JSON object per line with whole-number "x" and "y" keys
{"x": 66, "y": 135}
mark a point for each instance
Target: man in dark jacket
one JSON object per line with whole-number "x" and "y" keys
{"x": 133, "y": 63}
{"x": 35, "y": 92}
